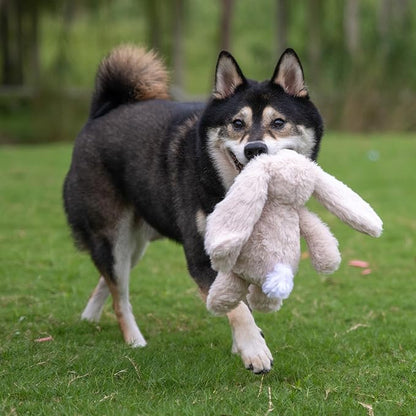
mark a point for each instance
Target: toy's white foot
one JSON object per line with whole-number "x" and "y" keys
{"x": 259, "y": 301}
{"x": 225, "y": 293}
{"x": 279, "y": 282}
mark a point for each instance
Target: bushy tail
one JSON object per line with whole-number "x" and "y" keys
{"x": 128, "y": 74}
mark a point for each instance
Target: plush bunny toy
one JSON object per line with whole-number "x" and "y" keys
{"x": 253, "y": 234}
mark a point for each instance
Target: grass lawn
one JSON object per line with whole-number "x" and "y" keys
{"x": 343, "y": 345}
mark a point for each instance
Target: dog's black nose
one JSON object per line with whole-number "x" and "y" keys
{"x": 253, "y": 149}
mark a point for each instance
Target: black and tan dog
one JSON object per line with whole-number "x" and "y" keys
{"x": 146, "y": 167}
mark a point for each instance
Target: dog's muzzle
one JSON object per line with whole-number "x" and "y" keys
{"x": 254, "y": 149}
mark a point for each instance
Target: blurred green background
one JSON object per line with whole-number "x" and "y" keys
{"x": 358, "y": 55}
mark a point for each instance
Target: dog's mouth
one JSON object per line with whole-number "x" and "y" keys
{"x": 238, "y": 165}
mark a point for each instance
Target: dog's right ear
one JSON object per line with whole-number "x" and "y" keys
{"x": 289, "y": 74}
{"x": 228, "y": 76}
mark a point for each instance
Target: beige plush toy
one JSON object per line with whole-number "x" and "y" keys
{"x": 253, "y": 234}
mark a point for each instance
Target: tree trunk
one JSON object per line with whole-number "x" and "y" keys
{"x": 6, "y": 68}
{"x": 33, "y": 34}
{"x": 351, "y": 27}
{"x": 178, "y": 64}
{"x": 225, "y": 24}
{"x": 282, "y": 25}
{"x": 384, "y": 14}
{"x": 12, "y": 33}
{"x": 314, "y": 42}
{"x": 154, "y": 25}
{"x": 19, "y": 41}
{"x": 61, "y": 60}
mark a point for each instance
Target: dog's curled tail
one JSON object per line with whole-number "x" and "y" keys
{"x": 128, "y": 74}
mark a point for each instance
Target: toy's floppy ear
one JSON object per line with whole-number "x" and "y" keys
{"x": 347, "y": 205}
{"x": 231, "y": 223}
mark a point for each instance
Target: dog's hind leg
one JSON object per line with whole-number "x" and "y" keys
{"x": 94, "y": 308}
{"x": 129, "y": 241}
{"x": 132, "y": 239}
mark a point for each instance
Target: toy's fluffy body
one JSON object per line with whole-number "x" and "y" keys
{"x": 253, "y": 235}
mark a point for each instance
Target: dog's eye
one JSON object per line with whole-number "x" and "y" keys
{"x": 238, "y": 124}
{"x": 278, "y": 123}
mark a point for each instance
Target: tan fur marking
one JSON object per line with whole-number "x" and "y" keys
{"x": 220, "y": 156}
{"x": 187, "y": 125}
{"x": 116, "y": 307}
{"x": 201, "y": 222}
{"x": 180, "y": 133}
{"x": 270, "y": 114}
{"x": 203, "y": 295}
{"x": 126, "y": 327}
{"x": 246, "y": 115}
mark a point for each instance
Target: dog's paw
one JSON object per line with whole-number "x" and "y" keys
{"x": 253, "y": 351}
{"x": 131, "y": 334}
{"x": 279, "y": 282}
{"x": 136, "y": 342}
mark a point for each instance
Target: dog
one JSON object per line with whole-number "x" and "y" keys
{"x": 146, "y": 167}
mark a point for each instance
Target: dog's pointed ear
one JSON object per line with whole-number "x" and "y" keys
{"x": 228, "y": 76}
{"x": 289, "y": 74}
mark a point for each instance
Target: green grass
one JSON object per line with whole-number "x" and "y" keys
{"x": 339, "y": 342}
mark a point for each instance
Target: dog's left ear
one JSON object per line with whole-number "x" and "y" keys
{"x": 289, "y": 74}
{"x": 228, "y": 76}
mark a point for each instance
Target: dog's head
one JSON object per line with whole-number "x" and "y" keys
{"x": 245, "y": 118}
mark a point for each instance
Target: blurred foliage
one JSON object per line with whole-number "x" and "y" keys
{"x": 362, "y": 80}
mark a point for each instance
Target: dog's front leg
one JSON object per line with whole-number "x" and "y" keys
{"x": 248, "y": 340}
